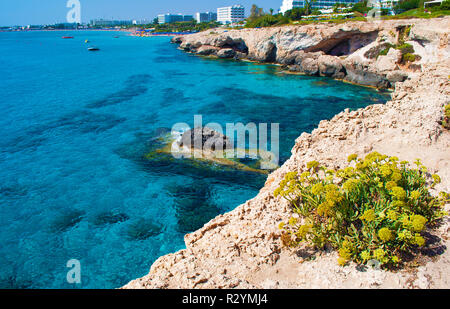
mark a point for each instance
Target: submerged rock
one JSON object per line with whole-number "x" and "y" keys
{"x": 142, "y": 229}
{"x": 205, "y": 138}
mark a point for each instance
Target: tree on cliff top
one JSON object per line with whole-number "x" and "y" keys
{"x": 256, "y": 12}
{"x": 295, "y": 13}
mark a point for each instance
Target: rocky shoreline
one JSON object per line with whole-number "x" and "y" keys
{"x": 242, "y": 248}
{"x": 350, "y": 51}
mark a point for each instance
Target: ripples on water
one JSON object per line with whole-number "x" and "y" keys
{"x": 76, "y": 128}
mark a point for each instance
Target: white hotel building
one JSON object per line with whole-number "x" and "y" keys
{"x": 318, "y": 4}
{"x": 231, "y": 14}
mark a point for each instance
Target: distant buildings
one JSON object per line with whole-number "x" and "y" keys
{"x": 141, "y": 22}
{"x": 224, "y": 15}
{"x": 231, "y": 14}
{"x": 171, "y": 18}
{"x": 205, "y": 17}
{"x": 318, "y": 4}
{"x": 389, "y": 4}
{"x": 110, "y": 23}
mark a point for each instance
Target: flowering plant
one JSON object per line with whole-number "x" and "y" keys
{"x": 376, "y": 208}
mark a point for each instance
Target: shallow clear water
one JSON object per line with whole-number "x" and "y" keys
{"x": 76, "y": 126}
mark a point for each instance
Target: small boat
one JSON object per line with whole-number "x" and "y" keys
{"x": 86, "y": 41}
{"x": 93, "y": 48}
{"x": 116, "y": 36}
{"x": 67, "y": 37}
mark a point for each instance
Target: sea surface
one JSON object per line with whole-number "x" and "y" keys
{"x": 76, "y": 180}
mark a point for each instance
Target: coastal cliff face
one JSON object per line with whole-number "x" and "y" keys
{"x": 242, "y": 248}
{"x": 347, "y": 51}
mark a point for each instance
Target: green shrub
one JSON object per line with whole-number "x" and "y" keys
{"x": 408, "y": 57}
{"x": 446, "y": 121}
{"x": 445, "y": 5}
{"x": 385, "y": 50}
{"x": 295, "y": 13}
{"x": 406, "y": 48}
{"x": 408, "y": 5}
{"x": 361, "y": 7}
{"x": 267, "y": 21}
{"x": 376, "y": 209}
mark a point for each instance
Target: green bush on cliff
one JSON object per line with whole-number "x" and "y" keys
{"x": 445, "y": 5}
{"x": 361, "y": 7}
{"x": 405, "y": 48}
{"x": 267, "y": 21}
{"x": 375, "y": 209}
{"x": 408, "y": 57}
{"x": 408, "y": 5}
{"x": 385, "y": 50}
{"x": 446, "y": 121}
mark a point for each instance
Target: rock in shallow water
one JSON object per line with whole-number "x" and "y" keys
{"x": 205, "y": 138}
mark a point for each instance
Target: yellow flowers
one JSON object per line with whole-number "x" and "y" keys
{"x": 419, "y": 240}
{"x": 390, "y": 184}
{"x": 418, "y": 223}
{"x": 341, "y": 261}
{"x": 399, "y": 193}
{"x": 303, "y": 231}
{"x": 290, "y": 176}
{"x": 436, "y": 178}
{"x": 369, "y": 215}
{"x": 373, "y": 209}
{"x": 365, "y": 255}
{"x": 292, "y": 221}
{"x": 317, "y": 189}
{"x": 385, "y": 234}
{"x": 392, "y": 215}
{"x": 350, "y": 185}
{"x": 352, "y": 157}
{"x": 396, "y": 176}
{"x": 324, "y": 209}
{"x": 398, "y": 204}
{"x": 379, "y": 254}
{"x": 346, "y": 251}
{"x": 312, "y": 165}
{"x": 385, "y": 170}
{"x": 373, "y": 156}
{"x": 333, "y": 196}
{"x": 415, "y": 195}
{"x": 404, "y": 235}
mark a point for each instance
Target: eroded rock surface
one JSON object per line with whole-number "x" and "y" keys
{"x": 348, "y": 51}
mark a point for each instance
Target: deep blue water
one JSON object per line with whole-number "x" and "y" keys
{"x": 75, "y": 127}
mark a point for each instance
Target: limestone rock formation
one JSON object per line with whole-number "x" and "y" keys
{"x": 347, "y": 51}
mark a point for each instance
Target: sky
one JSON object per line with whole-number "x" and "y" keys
{"x": 35, "y": 12}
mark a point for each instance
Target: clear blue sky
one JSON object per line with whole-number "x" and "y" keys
{"x": 25, "y": 12}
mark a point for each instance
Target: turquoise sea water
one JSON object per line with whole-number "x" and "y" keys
{"x": 75, "y": 129}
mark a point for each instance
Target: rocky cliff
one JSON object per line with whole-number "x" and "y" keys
{"x": 242, "y": 248}
{"x": 349, "y": 51}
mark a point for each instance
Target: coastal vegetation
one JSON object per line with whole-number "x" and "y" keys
{"x": 405, "y": 9}
{"x": 446, "y": 121}
{"x": 377, "y": 208}
{"x": 186, "y": 26}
